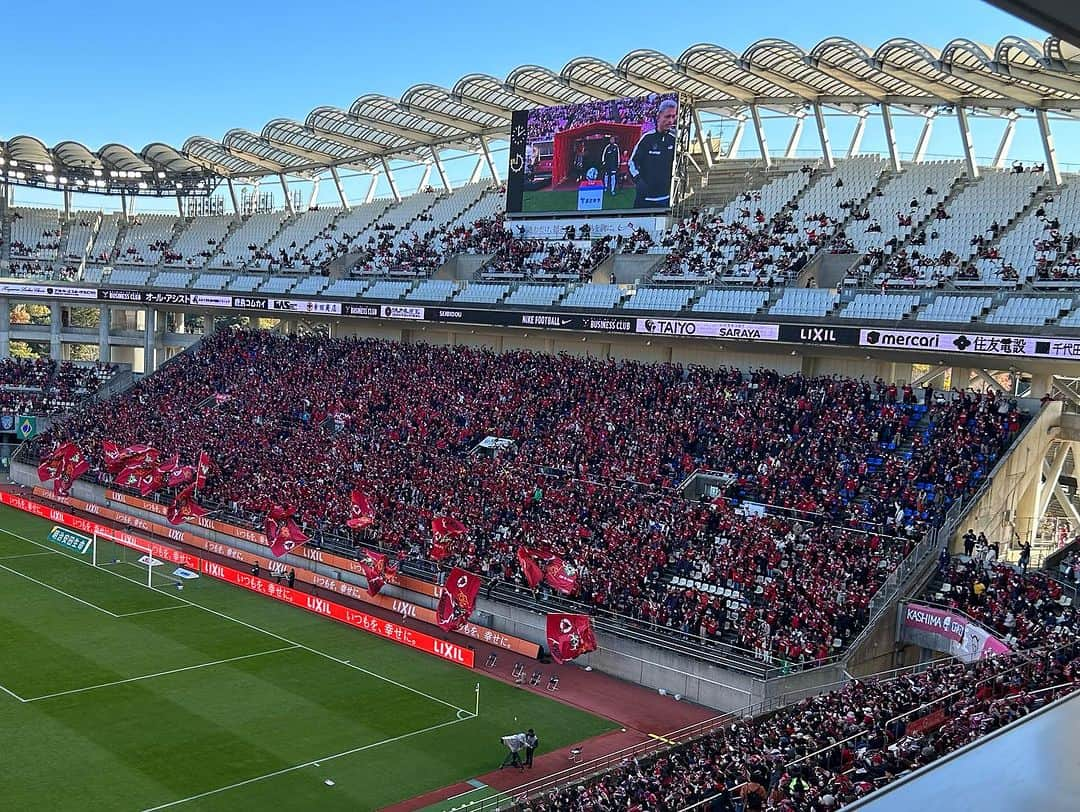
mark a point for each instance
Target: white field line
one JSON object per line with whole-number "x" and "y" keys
{"x": 305, "y": 764}
{"x": 276, "y": 636}
{"x": 26, "y": 555}
{"x": 11, "y": 693}
{"x": 58, "y": 590}
{"x": 158, "y": 674}
{"x": 150, "y": 611}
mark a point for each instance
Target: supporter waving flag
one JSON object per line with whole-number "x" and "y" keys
{"x": 458, "y": 599}
{"x": 376, "y": 570}
{"x": 169, "y": 465}
{"x": 114, "y": 456}
{"x": 181, "y": 475}
{"x": 202, "y": 470}
{"x": 281, "y": 512}
{"x": 569, "y": 636}
{"x": 184, "y": 507}
{"x": 447, "y": 526}
{"x": 284, "y": 535}
{"x": 561, "y": 576}
{"x": 361, "y": 513}
{"x": 52, "y": 465}
{"x": 438, "y": 550}
{"x": 530, "y": 558}
{"x": 131, "y": 476}
{"x": 151, "y": 480}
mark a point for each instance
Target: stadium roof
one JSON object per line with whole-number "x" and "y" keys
{"x": 1013, "y": 75}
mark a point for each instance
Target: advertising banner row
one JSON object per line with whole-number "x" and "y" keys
{"x": 398, "y": 606}
{"x": 361, "y": 620}
{"x": 942, "y": 630}
{"x": 963, "y": 343}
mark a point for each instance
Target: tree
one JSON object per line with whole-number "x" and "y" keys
{"x": 84, "y": 352}
{"x": 19, "y": 315}
{"x": 84, "y": 317}
{"x": 21, "y": 349}
{"x": 39, "y": 314}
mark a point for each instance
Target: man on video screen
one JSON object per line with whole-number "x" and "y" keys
{"x": 651, "y": 161}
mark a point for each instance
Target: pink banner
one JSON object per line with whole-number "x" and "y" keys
{"x": 958, "y": 635}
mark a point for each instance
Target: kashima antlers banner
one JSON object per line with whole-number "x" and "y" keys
{"x": 538, "y": 565}
{"x": 376, "y": 570}
{"x": 569, "y": 636}
{"x": 458, "y": 599}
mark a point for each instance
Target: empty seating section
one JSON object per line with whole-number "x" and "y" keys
{"x": 35, "y": 234}
{"x": 1060, "y": 239}
{"x": 805, "y": 302}
{"x": 286, "y": 250}
{"x": 171, "y": 279}
{"x": 956, "y": 309}
{"x": 277, "y": 284}
{"x": 669, "y": 299}
{"x": 211, "y": 281}
{"x": 80, "y": 233}
{"x": 342, "y": 235}
{"x": 345, "y": 288}
{"x": 879, "y": 306}
{"x": 145, "y": 239}
{"x": 245, "y": 283}
{"x": 130, "y": 276}
{"x": 200, "y": 240}
{"x": 104, "y": 245}
{"x": 731, "y": 301}
{"x": 93, "y": 274}
{"x": 1071, "y": 320}
{"x": 386, "y": 289}
{"x": 310, "y": 285}
{"x": 431, "y": 290}
{"x": 594, "y": 297}
{"x": 477, "y": 293}
{"x": 243, "y": 244}
{"x": 535, "y": 295}
{"x": 1029, "y": 311}
{"x": 904, "y": 202}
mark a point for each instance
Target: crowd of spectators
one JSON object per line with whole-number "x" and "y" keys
{"x": 599, "y": 447}
{"x": 42, "y": 386}
{"x": 545, "y": 122}
{"x": 828, "y": 751}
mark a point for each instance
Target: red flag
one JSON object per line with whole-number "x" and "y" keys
{"x": 376, "y": 570}
{"x": 458, "y": 599}
{"x": 180, "y": 476}
{"x": 283, "y": 536}
{"x": 75, "y": 466}
{"x": 131, "y": 476}
{"x": 140, "y": 455}
{"x": 561, "y": 576}
{"x": 150, "y": 481}
{"x": 530, "y": 566}
{"x": 447, "y": 526}
{"x": 169, "y": 465}
{"x": 279, "y": 513}
{"x": 569, "y": 636}
{"x": 112, "y": 454}
{"x": 438, "y": 550}
{"x": 202, "y": 469}
{"x": 361, "y": 513}
{"x": 49, "y": 468}
{"x": 184, "y": 507}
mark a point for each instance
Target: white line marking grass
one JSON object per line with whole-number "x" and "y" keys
{"x": 158, "y": 674}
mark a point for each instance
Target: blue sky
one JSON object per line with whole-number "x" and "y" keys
{"x": 143, "y": 72}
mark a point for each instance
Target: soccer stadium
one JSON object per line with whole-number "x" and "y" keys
{"x": 668, "y": 429}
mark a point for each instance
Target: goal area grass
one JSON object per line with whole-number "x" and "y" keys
{"x": 116, "y": 695}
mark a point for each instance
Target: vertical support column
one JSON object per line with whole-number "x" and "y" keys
{"x": 1053, "y": 171}
{"x": 443, "y": 179}
{"x": 823, "y": 136}
{"x": 478, "y": 167}
{"x": 736, "y": 139}
{"x": 890, "y": 138}
{"x": 55, "y": 319}
{"x": 961, "y": 378}
{"x": 5, "y": 328}
{"x": 857, "y": 135}
{"x": 104, "y": 351}
{"x": 67, "y": 204}
{"x": 180, "y": 322}
{"x": 340, "y": 189}
{"x": 924, "y": 140}
{"x": 370, "y": 194}
{"x": 796, "y": 137}
{"x": 150, "y": 341}
{"x": 966, "y": 142}
{"x": 700, "y": 134}
{"x": 424, "y": 178}
{"x": 209, "y": 326}
{"x": 285, "y": 191}
{"x": 180, "y": 205}
{"x": 390, "y": 179}
{"x": 763, "y": 144}
{"x": 1002, "y": 154}
{"x": 235, "y": 202}
{"x": 490, "y": 161}
{"x": 313, "y": 200}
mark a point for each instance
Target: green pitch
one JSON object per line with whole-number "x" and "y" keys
{"x": 117, "y": 696}
{"x": 566, "y": 200}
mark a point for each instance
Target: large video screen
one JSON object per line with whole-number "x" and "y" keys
{"x": 599, "y": 156}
